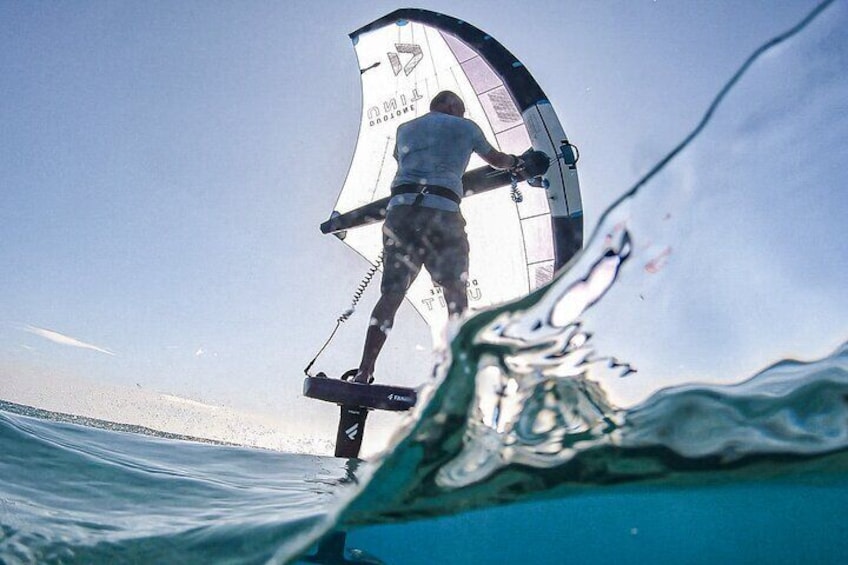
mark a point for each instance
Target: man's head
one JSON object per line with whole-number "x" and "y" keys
{"x": 448, "y": 102}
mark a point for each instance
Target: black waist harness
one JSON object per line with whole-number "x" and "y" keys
{"x": 422, "y": 189}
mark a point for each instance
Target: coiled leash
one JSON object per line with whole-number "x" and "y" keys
{"x": 357, "y": 296}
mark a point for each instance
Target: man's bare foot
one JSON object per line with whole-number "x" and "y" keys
{"x": 362, "y": 377}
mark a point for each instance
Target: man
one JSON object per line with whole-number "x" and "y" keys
{"x": 423, "y": 223}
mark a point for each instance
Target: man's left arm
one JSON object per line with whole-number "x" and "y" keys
{"x": 492, "y": 156}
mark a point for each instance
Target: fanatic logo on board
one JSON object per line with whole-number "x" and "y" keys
{"x": 407, "y": 49}
{"x": 352, "y": 431}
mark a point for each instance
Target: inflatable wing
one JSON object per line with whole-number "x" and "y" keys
{"x": 405, "y": 59}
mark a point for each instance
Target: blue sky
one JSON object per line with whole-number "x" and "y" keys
{"x": 164, "y": 168}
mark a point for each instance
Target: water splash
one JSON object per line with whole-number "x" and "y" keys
{"x": 544, "y": 389}
{"x": 791, "y": 408}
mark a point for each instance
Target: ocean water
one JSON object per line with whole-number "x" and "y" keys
{"x": 679, "y": 394}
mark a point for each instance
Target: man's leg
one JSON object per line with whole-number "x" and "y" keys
{"x": 447, "y": 260}
{"x": 382, "y": 319}
{"x": 456, "y": 297}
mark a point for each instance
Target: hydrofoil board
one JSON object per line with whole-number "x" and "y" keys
{"x": 355, "y": 400}
{"x": 349, "y": 393}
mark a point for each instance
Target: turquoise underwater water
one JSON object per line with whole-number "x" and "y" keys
{"x": 755, "y": 522}
{"x": 678, "y": 394}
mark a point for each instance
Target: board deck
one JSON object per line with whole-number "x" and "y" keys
{"x": 370, "y": 396}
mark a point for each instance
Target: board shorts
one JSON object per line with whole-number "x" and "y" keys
{"x": 417, "y": 235}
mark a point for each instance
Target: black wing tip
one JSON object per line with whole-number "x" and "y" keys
{"x": 412, "y": 14}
